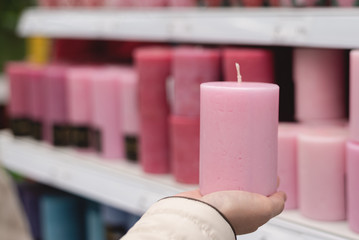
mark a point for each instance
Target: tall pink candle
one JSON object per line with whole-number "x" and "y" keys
{"x": 319, "y": 84}
{"x": 238, "y": 137}
{"x": 153, "y": 65}
{"x": 36, "y": 100}
{"x": 56, "y": 114}
{"x": 191, "y": 67}
{"x": 106, "y": 120}
{"x": 185, "y": 148}
{"x": 321, "y": 173}
{"x": 19, "y": 98}
{"x": 78, "y": 89}
{"x": 287, "y": 162}
{"x": 352, "y": 168}
{"x": 256, "y": 64}
{"x": 354, "y": 95}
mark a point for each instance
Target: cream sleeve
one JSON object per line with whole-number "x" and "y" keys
{"x": 181, "y": 218}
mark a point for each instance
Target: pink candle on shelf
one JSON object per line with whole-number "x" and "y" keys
{"x": 256, "y": 64}
{"x": 78, "y": 89}
{"x": 56, "y": 128}
{"x": 106, "y": 120}
{"x": 92, "y": 3}
{"x": 354, "y": 95}
{"x": 36, "y": 100}
{"x": 191, "y": 67}
{"x": 287, "y": 162}
{"x": 344, "y": 3}
{"x": 321, "y": 173}
{"x": 18, "y": 74}
{"x": 352, "y": 178}
{"x": 184, "y": 136}
{"x": 182, "y": 3}
{"x": 319, "y": 84}
{"x": 69, "y": 3}
{"x": 238, "y": 137}
{"x": 129, "y": 111}
{"x": 153, "y": 67}
{"x": 149, "y": 3}
{"x": 118, "y": 3}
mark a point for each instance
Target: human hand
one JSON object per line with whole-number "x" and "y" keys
{"x": 244, "y": 210}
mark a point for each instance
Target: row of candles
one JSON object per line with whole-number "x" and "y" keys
{"x": 155, "y": 107}
{"x": 194, "y": 3}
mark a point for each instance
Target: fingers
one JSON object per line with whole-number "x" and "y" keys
{"x": 278, "y": 199}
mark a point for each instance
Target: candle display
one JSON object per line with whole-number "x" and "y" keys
{"x": 319, "y": 84}
{"x": 238, "y": 137}
{"x": 185, "y": 148}
{"x": 191, "y": 67}
{"x": 321, "y": 169}
{"x": 256, "y": 64}
{"x": 287, "y": 162}
{"x": 153, "y": 65}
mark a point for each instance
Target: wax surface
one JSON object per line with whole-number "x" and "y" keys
{"x": 321, "y": 169}
{"x": 185, "y": 148}
{"x": 352, "y": 168}
{"x": 319, "y": 84}
{"x": 36, "y": 92}
{"x": 287, "y": 162}
{"x": 256, "y": 65}
{"x": 191, "y": 67}
{"x": 238, "y": 137}
{"x": 354, "y": 95}
{"x": 153, "y": 66}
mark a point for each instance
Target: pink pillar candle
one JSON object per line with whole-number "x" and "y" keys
{"x": 256, "y": 64}
{"x": 18, "y": 75}
{"x": 36, "y": 100}
{"x": 78, "y": 89}
{"x": 129, "y": 111}
{"x": 321, "y": 173}
{"x": 319, "y": 84}
{"x": 352, "y": 151}
{"x": 191, "y": 67}
{"x": 238, "y": 137}
{"x": 182, "y": 3}
{"x": 118, "y": 3}
{"x": 106, "y": 120}
{"x": 149, "y": 3}
{"x": 56, "y": 113}
{"x": 354, "y": 95}
{"x": 153, "y": 67}
{"x": 185, "y": 149}
{"x": 287, "y": 162}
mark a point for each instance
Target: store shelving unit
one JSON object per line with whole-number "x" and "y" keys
{"x": 123, "y": 184}
{"x": 315, "y": 27}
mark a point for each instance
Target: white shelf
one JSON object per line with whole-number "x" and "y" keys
{"x": 124, "y": 185}
{"x": 316, "y": 27}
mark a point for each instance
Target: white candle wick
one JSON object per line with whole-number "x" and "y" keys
{"x": 239, "y": 77}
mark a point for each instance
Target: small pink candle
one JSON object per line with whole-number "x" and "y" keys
{"x": 352, "y": 168}
{"x": 354, "y": 95}
{"x": 256, "y": 64}
{"x": 182, "y": 3}
{"x": 287, "y": 162}
{"x": 56, "y": 114}
{"x": 118, "y": 3}
{"x": 149, "y": 3}
{"x": 238, "y": 137}
{"x": 19, "y": 98}
{"x": 153, "y": 66}
{"x": 319, "y": 84}
{"x": 78, "y": 87}
{"x": 185, "y": 148}
{"x": 106, "y": 120}
{"x": 321, "y": 173}
{"x": 191, "y": 67}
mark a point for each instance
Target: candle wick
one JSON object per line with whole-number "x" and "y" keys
{"x": 239, "y": 77}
